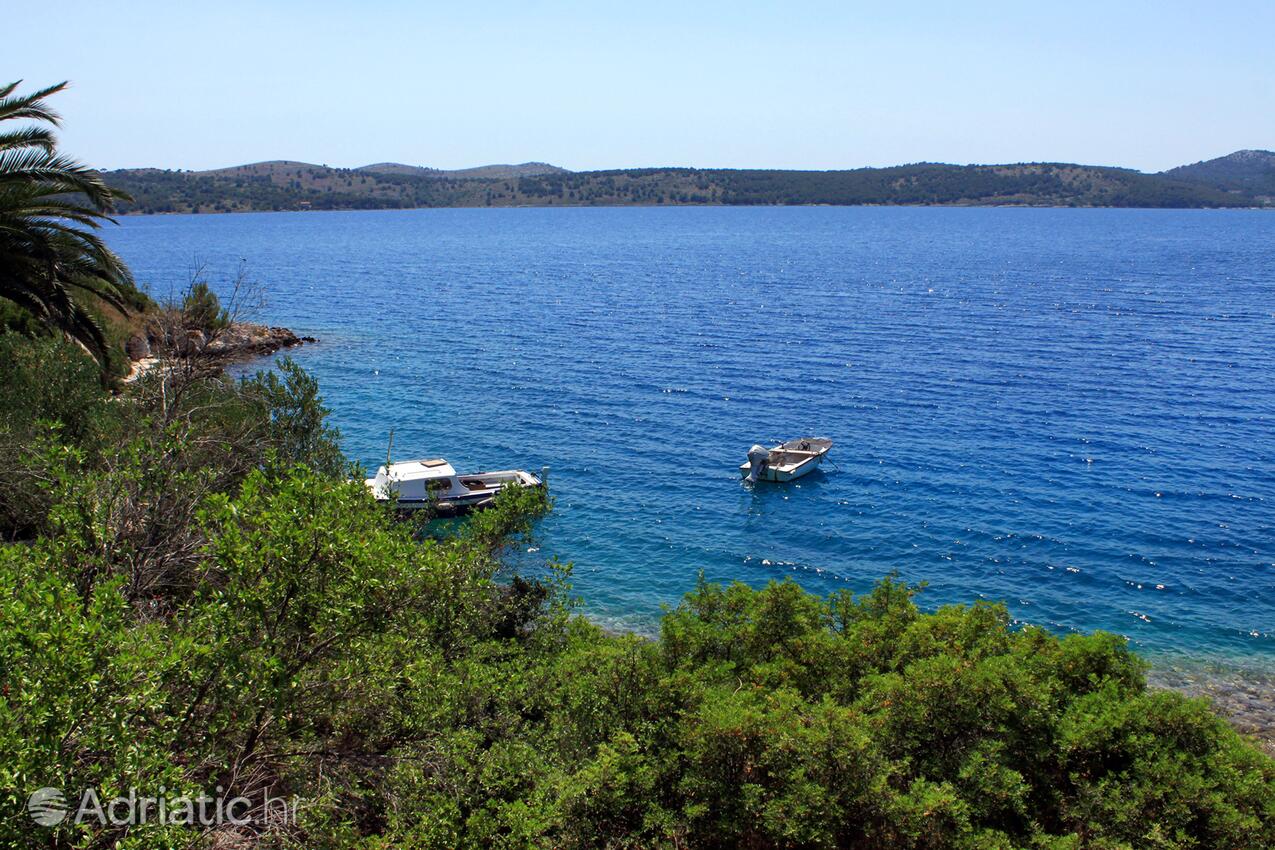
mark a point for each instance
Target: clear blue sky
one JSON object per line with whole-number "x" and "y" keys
{"x": 606, "y": 85}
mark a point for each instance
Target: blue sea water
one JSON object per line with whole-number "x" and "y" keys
{"x": 1072, "y": 411}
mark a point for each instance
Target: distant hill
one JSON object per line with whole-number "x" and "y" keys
{"x": 287, "y": 185}
{"x": 259, "y": 169}
{"x": 492, "y": 172}
{"x": 504, "y": 172}
{"x": 400, "y": 168}
{"x": 1248, "y": 172}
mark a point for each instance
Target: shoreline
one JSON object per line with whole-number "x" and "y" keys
{"x": 239, "y": 342}
{"x": 1268, "y": 208}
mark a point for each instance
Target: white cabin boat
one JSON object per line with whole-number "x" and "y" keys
{"x": 433, "y": 483}
{"x": 786, "y": 461}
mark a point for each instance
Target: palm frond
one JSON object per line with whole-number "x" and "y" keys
{"x": 30, "y": 107}
{"x": 28, "y": 137}
{"x": 50, "y": 207}
{"x": 57, "y": 174}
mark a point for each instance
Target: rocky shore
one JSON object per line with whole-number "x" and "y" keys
{"x": 245, "y": 340}
{"x": 215, "y": 349}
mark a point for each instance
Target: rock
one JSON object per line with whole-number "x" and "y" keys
{"x": 137, "y": 348}
{"x": 216, "y": 349}
{"x": 244, "y": 340}
{"x": 187, "y": 342}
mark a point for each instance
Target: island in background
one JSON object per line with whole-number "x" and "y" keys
{"x": 1242, "y": 179}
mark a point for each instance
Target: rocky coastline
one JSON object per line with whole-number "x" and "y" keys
{"x": 212, "y": 350}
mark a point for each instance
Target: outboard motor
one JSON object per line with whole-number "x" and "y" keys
{"x": 757, "y": 458}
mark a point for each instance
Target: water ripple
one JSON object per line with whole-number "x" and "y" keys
{"x": 1069, "y": 410}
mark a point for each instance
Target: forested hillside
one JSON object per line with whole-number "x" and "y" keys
{"x": 299, "y": 186}
{"x": 1249, "y": 172}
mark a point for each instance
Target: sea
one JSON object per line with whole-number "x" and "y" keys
{"x": 1070, "y": 411}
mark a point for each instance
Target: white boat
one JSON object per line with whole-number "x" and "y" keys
{"x": 433, "y": 483}
{"x": 786, "y": 461}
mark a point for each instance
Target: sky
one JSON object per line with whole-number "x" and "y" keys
{"x": 586, "y": 85}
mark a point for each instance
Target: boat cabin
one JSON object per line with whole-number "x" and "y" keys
{"x": 414, "y": 480}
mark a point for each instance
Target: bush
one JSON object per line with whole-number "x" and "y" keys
{"x": 50, "y": 396}
{"x": 298, "y": 432}
{"x": 86, "y": 700}
{"x": 201, "y": 310}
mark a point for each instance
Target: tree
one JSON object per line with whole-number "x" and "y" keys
{"x": 50, "y": 206}
{"x": 202, "y": 310}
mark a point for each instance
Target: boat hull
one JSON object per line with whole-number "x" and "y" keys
{"x": 781, "y": 475}
{"x": 444, "y": 508}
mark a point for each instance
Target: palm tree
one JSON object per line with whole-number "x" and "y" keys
{"x": 50, "y": 206}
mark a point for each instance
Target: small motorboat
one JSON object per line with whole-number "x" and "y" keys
{"x": 786, "y": 461}
{"x": 433, "y": 483}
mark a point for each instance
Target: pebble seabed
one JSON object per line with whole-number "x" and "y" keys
{"x": 1244, "y": 695}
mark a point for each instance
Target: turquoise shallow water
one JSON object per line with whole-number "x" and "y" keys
{"x": 1072, "y": 411}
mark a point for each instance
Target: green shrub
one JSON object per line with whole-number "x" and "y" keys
{"x": 51, "y": 396}
{"x": 925, "y": 730}
{"x": 297, "y": 427}
{"x": 201, "y": 309}
{"x": 86, "y": 700}
{"x": 46, "y": 381}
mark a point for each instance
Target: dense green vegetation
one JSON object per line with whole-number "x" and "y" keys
{"x": 1249, "y": 173}
{"x": 198, "y": 599}
{"x": 291, "y": 186}
{"x": 202, "y": 309}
